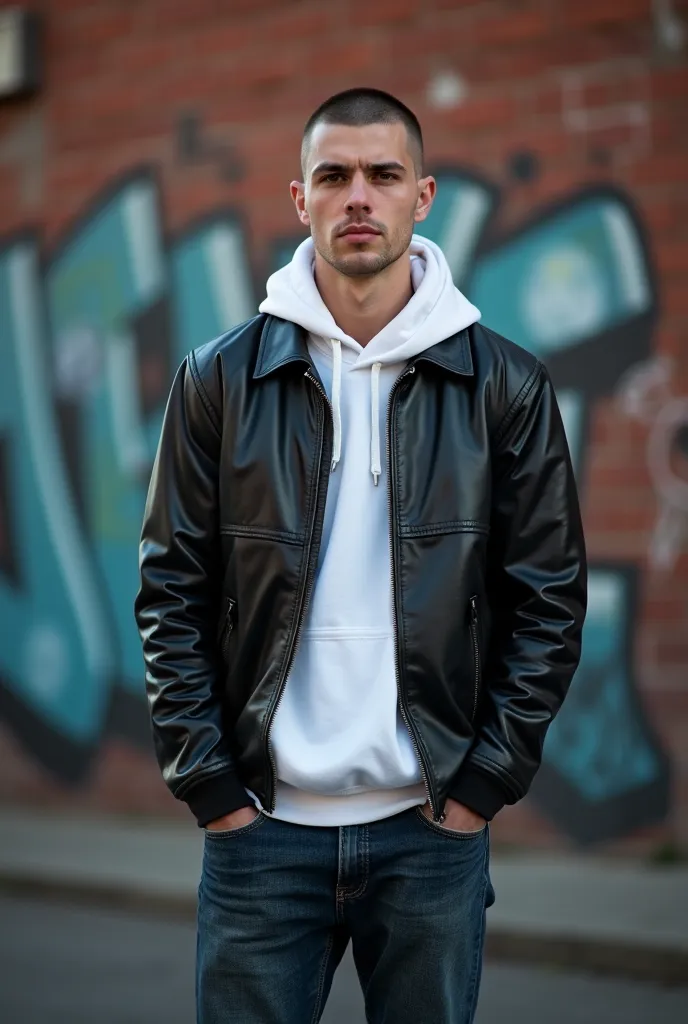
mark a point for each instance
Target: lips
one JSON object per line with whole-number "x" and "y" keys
{"x": 360, "y": 232}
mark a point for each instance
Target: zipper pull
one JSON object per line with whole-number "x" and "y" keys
{"x": 474, "y": 611}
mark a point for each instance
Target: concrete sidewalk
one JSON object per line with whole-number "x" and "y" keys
{"x": 575, "y": 911}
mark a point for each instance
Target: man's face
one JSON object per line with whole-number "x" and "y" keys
{"x": 361, "y": 195}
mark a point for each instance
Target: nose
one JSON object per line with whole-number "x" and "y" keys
{"x": 358, "y": 199}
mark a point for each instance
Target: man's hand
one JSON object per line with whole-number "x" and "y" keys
{"x": 459, "y": 818}
{"x": 242, "y": 816}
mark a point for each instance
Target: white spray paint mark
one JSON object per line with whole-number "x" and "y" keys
{"x": 627, "y": 76}
{"x": 644, "y": 393}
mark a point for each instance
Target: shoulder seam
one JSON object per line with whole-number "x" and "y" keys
{"x": 203, "y": 394}
{"x": 518, "y": 401}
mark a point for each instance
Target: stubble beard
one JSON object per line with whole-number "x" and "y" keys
{"x": 366, "y": 264}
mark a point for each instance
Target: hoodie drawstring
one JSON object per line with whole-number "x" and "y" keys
{"x": 336, "y": 401}
{"x": 375, "y": 464}
{"x": 375, "y": 457}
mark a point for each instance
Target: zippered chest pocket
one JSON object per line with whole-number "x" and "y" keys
{"x": 226, "y": 627}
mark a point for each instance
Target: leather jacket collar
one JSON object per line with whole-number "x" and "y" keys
{"x": 284, "y": 342}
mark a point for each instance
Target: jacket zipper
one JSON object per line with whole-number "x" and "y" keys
{"x": 437, "y": 815}
{"x": 476, "y": 653}
{"x": 311, "y": 563}
{"x": 228, "y": 627}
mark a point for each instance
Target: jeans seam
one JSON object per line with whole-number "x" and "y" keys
{"x": 362, "y": 887}
{"x": 317, "y": 1009}
{"x": 339, "y": 889}
{"x": 480, "y": 938}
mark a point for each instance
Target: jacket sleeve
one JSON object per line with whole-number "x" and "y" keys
{"x": 178, "y": 603}
{"x": 537, "y": 591}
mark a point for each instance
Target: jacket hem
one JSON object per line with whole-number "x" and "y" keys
{"x": 476, "y": 790}
{"x": 216, "y": 795}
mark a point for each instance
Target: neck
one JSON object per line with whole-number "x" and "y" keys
{"x": 362, "y": 306}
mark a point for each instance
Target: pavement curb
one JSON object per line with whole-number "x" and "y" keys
{"x": 98, "y": 894}
{"x": 638, "y": 961}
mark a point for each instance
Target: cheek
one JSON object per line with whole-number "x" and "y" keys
{"x": 402, "y": 216}
{"x": 320, "y": 214}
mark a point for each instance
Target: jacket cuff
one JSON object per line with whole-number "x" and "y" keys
{"x": 216, "y": 795}
{"x": 478, "y": 791}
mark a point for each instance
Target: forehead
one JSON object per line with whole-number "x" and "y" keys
{"x": 358, "y": 145}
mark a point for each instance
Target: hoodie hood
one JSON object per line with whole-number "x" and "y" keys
{"x": 435, "y": 311}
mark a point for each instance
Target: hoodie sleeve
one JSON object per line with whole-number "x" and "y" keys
{"x": 537, "y": 582}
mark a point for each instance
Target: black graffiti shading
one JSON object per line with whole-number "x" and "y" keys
{"x": 194, "y": 146}
{"x": 618, "y": 736}
{"x": 9, "y": 565}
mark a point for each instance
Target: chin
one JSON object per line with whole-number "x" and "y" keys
{"x": 359, "y": 264}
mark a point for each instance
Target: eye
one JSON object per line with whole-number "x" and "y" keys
{"x": 334, "y": 176}
{"x": 387, "y": 175}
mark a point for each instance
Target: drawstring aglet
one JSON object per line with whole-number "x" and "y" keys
{"x": 376, "y": 477}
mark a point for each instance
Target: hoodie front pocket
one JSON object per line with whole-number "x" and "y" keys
{"x": 338, "y": 731}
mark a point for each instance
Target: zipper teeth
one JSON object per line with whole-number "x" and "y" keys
{"x": 476, "y": 654}
{"x": 304, "y": 603}
{"x": 229, "y": 626}
{"x": 411, "y": 729}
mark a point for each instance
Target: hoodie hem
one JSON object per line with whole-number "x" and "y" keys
{"x": 300, "y": 807}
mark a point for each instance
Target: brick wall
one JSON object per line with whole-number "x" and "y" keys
{"x": 537, "y": 100}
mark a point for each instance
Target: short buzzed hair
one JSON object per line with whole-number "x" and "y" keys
{"x": 358, "y": 107}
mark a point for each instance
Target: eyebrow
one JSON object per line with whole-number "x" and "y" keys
{"x": 328, "y": 167}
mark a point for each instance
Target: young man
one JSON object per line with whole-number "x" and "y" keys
{"x": 362, "y": 591}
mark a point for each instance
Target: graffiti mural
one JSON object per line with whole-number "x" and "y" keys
{"x": 89, "y": 351}
{"x": 90, "y": 339}
{"x": 576, "y": 287}
{"x": 645, "y": 393}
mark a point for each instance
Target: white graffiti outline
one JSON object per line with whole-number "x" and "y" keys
{"x": 644, "y": 393}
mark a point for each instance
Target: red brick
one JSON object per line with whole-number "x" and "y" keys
{"x": 661, "y": 170}
{"x": 350, "y": 58}
{"x": 97, "y": 27}
{"x": 668, "y": 127}
{"x": 292, "y": 25}
{"x": 672, "y": 258}
{"x": 589, "y": 13}
{"x": 468, "y": 7}
{"x": 675, "y": 296}
{"x": 669, "y": 83}
{"x": 666, "y": 214}
{"x": 630, "y": 478}
{"x": 362, "y": 14}
{"x": 483, "y": 111}
{"x": 671, "y": 611}
{"x": 512, "y": 26}
{"x": 673, "y": 650}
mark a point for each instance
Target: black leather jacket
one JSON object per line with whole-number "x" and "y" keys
{"x": 488, "y": 561}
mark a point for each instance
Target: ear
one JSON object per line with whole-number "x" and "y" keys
{"x": 427, "y": 189}
{"x": 298, "y": 194}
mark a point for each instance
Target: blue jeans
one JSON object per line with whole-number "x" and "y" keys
{"x": 279, "y": 902}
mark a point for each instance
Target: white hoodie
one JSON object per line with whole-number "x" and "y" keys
{"x": 343, "y": 753}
